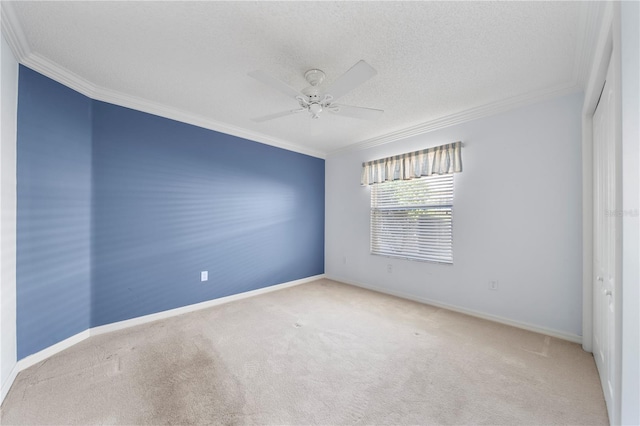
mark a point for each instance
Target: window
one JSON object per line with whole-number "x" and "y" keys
{"x": 412, "y": 219}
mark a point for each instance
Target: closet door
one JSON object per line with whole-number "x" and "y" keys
{"x": 606, "y": 244}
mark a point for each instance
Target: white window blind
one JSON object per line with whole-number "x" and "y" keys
{"x": 413, "y": 218}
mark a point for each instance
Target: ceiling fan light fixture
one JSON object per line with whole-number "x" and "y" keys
{"x": 315, "y": 109}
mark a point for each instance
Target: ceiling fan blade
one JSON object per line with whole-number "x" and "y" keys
{"x": 269, "y": 80}
{"x": 277, "y": 115}
{"x": 357, "y": 74}
{"x": 357, "y": 112}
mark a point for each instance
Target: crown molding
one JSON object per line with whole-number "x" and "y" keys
{"x": 14, "y": 35}
{"x": 161, "y": 110}
{"x": 79, "y": 84}
{"x": 63, "y": 76}
{"x": 12, "y": 32}
{"x": 602, "y": 47}
{"x": 588, "y": 32}
{"x": 590, "y": 16}
{"x": 461, "y": 117}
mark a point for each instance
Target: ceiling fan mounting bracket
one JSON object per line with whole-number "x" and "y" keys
{"x": 314, "y": 77}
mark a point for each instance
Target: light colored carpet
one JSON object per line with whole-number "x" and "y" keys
{"x": 319, "y": 353}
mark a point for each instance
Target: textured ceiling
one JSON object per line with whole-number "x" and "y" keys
{"x": 191, "y": 59}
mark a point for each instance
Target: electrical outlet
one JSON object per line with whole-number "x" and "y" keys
{"x": 389, "y": 268}
{"x": 204, "y": 276}
{"x": 493, "y": 285}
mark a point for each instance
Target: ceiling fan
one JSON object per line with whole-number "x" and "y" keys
{"x": 315, "y": 99}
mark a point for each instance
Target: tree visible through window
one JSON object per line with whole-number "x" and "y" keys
{"x": 412, "y": 219}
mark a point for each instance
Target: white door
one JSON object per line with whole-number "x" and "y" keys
{"x": 605, "y": 239}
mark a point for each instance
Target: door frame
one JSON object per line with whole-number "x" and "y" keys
{"x": 607, "y": 50}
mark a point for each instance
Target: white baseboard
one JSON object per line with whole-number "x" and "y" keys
{"x": 495, "y": 318}
{"x": 197, "y": 306}
{"x": 67, "y": 343}
{"x": 4, "y": 390}
{"x": 52, "y": 350}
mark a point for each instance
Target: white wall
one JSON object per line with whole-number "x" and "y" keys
{"x": 9, "y": 101}
{"x": 630, "y": 89}
{"x": 517, "y": 219}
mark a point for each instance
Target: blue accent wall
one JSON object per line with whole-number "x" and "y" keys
{"x": 119, "y": 211}
{"x": 54, "y": 213}
{"x": 171, "y": 200}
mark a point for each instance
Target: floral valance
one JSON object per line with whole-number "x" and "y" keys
{"x": 439, "y": 160}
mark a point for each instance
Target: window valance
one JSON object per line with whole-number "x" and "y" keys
{"x": 440, "y": 160}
